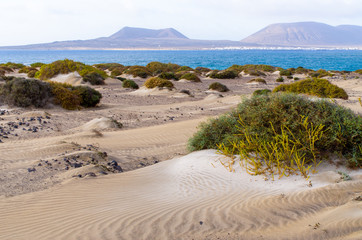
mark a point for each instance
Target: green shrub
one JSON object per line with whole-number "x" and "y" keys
{"x": 265, "y": 116}
{"x": 157, "y": 67}
{"x": 27, "y": 69}
{"x": 261, "y": 92}
{"x": 317, "y": 87}
{"x": 191, "y": 77}
{"x": 48, "y": 71}
{"x": 359, "y": 71}
{"x": 158, "y": 82}
{"x": 72, "y": 98}
{"x": 280, "y": 79}
{"x": 12, "y": 65}
{"x": 129, "y": 84}
{"x": 184, "y": 68}
{"x": 218, "y": 87}
{"x": 320, "y": 73}
{"x": 138, "y": 71}
{"x": 201, "y": 70}
{"x": 255, "y": 70}
{"x": 89, "y": 96}
{"x": 65, "y": 96}
{"x": 257, "y": 80}
{"x": 296, "y": 78}
{"x": 167, "y": 75}
{"x": 117, "y": 71}
{"x": 226, "y": 74}
{"x": 5, "y": 69}
{"x": 32, "y": 73}
{"x": 93, "y": 78}
{"x": 109, "y": 66}
{"x": 37, "y": 65}
{"x": 287, "y": 73}
{"x": 23, "y": 92}
{"x": 301, "y": 70}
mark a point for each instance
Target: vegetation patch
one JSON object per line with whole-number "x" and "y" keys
{"x": 23, "y": 92}
{"x": 66, "y": 66}
{"x": 158, "y": 82}
{"x": 168, "y": 75}
{"x": 138, "y": 71}
{"x": 284, "y": 134}
{"x": 109, "y": 66}
{"x": 257, "y": 80}
{"x": 261, "y": 92}
{"x": 226, "y": 74}
{"x": 359, "y": 71}
{"x": 129, "y": 84}
{"x": 191, "y": 77}
{"x": 12, "y": 65}
{"x": 280, "y": 79}
{"x": 37, "y": 64}
{"x": 317, "y": 87}
{"x": 218, "y": 87}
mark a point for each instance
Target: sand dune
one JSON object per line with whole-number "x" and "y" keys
{"x": 186, "y": 198}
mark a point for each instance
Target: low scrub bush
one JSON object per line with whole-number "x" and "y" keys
{"x": 320, "y": 73}
{"x": 287, "y": 73}
{"x": 226, "y": 74}
{"x": 184, "y": 68}
{"x": 218, "y": 87}
{"x": 94, "y": 78}
{"x": 27, "y": 69}
{"x": 157, "y": 67}
{"x": 117, "y": 71}
{"x": 201, "y": 70}
{"x": 72, "y": 98}
{"x": 23, "y": 92}
{"x": 191, "y": 77}
{"x": 12, "y": 65}
{"x": 257, "y": 80}
{"x": 359, "y": 71}
{"x": 158, "y": 82}
{"x": 37, "y": 65}
{"x": 49, "y": 71}
{"x": 109, "y": 66}
{"x": 261, "y": 92}
{"x": 251, "y": 68}
{"x": 167, "y": 75}
{"x": 280, "y": 79}
{"x": 138, "y": 71}
{"x": 288, "y": 128}
{"x": 129, "y": 84}
{"x": 317, "y": 87}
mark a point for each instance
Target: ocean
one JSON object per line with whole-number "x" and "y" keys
{"x": 349, "y": 60}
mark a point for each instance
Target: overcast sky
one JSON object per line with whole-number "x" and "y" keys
{"x": 40, "y": 21}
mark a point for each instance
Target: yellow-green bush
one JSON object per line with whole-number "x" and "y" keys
{"x": 12, "y": 65}
{"x": 138, "y": 71}
{"x": 317, "y": 87}
{"x": 158, "y": 82}
{"x": 129, "y": 84}
{"x": 48, "y": 71}
{"x": 226, "y": 74}
{"x": 273, "y": 117}
{"x": 191, "y": 77}
{"x": 72, "y": 98}
{"x": 257, "y": 80}
{"x": 218, "y": 87}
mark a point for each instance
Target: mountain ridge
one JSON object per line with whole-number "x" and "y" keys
{"x": 311, "y": 34}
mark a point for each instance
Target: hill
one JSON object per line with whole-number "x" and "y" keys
{"x": 307, "y": 34}
{"x": 135, "y": 38}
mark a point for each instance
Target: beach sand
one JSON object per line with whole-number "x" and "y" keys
{"x": 157, "y": 190}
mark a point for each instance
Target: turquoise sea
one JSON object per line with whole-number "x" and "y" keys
{"x": 349, "y": 60}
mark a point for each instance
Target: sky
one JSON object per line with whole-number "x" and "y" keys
{"x": 42, "y": 21}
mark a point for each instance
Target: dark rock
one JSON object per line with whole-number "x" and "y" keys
{"x": 31, "y": 169}
{"x": 91, "y": 174}
{"x": 77, "y": 165}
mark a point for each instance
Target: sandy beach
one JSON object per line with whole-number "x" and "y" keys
{"x": 77, "y": 175}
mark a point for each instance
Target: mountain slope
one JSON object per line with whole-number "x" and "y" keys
{"x": 307, "y": 34}
{"x": 136, "y": 38}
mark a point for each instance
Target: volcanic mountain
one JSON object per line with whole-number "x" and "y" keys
{"x": 307, "y": 34}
